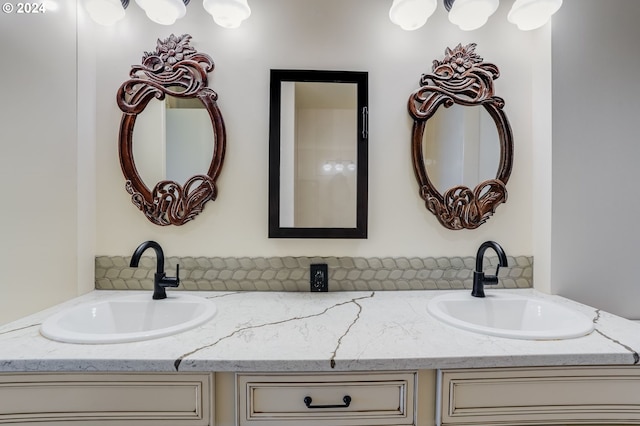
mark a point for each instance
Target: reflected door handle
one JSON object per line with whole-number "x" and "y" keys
{"x": 365, "y": 122}
{"x": 346, "y": 400}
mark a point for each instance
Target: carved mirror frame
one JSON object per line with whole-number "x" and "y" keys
{"x": 461, "y": 78}
{"x": 175, "y": 68}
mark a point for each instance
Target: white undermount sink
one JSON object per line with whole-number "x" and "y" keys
{"x": 128, "y": 319}
{"x": 510, "y": 315}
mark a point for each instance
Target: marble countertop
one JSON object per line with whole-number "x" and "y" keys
{"x": 336, "y": 331}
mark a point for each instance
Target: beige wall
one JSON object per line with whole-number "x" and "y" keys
{"x": 312, "y": 34}
{"x": 596, "y": 238}
{"x": 38, "y": 149}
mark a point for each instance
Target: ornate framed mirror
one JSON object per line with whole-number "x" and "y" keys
{"x": 462, "y": 153}
{"x": 171, "y": 132}
{"x": 318, "y": 154}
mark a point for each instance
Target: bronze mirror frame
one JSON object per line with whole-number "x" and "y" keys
{"x": 461, "y": 78}
{"x": 175, "y": 68}
{"x": 361, "y": 80}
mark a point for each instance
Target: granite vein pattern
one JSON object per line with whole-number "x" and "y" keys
{"x": 292, "y": 273}
{"x": 315, "y": 332}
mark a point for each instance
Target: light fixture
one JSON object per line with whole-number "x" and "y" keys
{"x": 532, "y": 14}
{"x": 228, "y": 13}
{"x": 411, "y": 14}
{"x": 470, "y": 14}
{"x": 52, "y": 5}
{"x": 106, "y": 12}
{"x": 164, "y": 12}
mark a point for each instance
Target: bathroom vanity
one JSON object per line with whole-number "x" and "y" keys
{"x": 340, "y": 358}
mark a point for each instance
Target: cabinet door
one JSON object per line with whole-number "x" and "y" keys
{"x": 326, "y": 399}
{"x": 541, "y": 396}
{"x": 106, "y": 399}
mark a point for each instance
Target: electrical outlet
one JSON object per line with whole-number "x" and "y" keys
{"x": 319, "y": 277}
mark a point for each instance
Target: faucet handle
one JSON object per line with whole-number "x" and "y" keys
{"x": 170, "y": 281}
{"x": 492, "y": 279}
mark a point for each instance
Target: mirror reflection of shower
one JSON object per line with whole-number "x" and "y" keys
{"x": 173, "y": 140}
{"x": 318, "y": 154}
{"x": 461, "y": 147}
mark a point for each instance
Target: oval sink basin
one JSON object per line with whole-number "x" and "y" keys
{"x": 510, "y": 315}
{"x": 128, "y": 319}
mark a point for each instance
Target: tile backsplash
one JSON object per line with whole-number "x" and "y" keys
{"x": 292, "y": 273}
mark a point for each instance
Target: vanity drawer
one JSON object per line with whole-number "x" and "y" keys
{"x": 543, "y": 395}
{"x": 279, "y": 399}
{"x": 106, "y": 399}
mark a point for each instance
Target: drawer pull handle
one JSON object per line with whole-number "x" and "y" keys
{"x": 308, "y": 401}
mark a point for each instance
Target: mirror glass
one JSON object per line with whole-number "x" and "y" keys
{"x": 173, "y": 139}
{"x": 461, "y": 147}
{"x": 318, "y": 154}
{"x": 318, "y": 126}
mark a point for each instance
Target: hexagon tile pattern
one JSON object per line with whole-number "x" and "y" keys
{"x": 292, "y": 273}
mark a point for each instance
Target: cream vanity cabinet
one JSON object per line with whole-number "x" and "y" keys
{"x": 220, "y": 399}
{"x": 116, "y": 399}
{"x": 493, "y": 396}
{"x": 541, "y": 396}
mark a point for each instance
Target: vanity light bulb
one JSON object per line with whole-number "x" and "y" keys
{"x": 469, "y": 15}
{"x": 351, "y": 166}
{"x": 228, "y": 13}
{"x": 411, "y": 14}
{"x": 327, "y": 167}
{"x": 105, "y": 12}
{"x": 163, "y": 12}
{"x": 339, "y": 167}
{"x": 52, "y": 5}
{"x": 532, "y": 14}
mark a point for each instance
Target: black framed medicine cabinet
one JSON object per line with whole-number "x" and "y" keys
{"x": 318, "y": 154}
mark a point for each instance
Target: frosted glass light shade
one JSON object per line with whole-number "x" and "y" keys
{"x": 164, "y": 12}
{"x": 411, "y": 14}
{"x": 51, "y": 5}
{"x": 228, "y": 13}
{"x": 532, "y": 14}
{"x": 105, "y": 12}
{"x": 472, "y": 14}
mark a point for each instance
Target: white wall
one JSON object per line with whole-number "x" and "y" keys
{"x": 313, "y": 34}
{"x": 596, "y": 107}
{"x": 38, "y": 150}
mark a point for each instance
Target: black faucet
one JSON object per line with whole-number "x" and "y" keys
{"x": 479, "y": 278}
{"x": 160, "y": 280}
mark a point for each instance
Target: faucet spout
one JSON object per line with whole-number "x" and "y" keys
{"x": 160, "y": 280}
{"x": 479, "y": 277}
{"x": 135, "y": 259}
